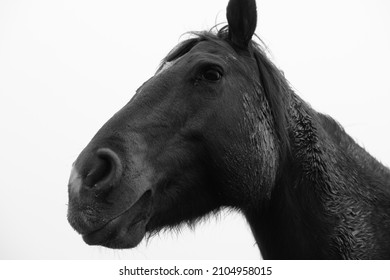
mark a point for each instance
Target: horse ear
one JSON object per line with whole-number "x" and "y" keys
{"x": 242, "y": 20}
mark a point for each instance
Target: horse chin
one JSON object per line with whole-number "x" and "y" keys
{"x": 124, "y": 231}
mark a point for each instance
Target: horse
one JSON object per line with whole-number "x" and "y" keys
{"x": 219, "y": 126}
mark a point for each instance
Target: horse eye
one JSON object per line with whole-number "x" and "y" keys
{"x": 212, "y": 75}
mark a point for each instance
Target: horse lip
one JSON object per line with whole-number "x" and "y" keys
{"x": 93, "y": 238}
{"x": 115, "y": 226}
{"x": 111, "y": 221}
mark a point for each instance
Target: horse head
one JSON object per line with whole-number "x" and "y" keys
{"x": 184, "y": 146}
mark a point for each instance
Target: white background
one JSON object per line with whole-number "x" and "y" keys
{"x": 67, "y": 66}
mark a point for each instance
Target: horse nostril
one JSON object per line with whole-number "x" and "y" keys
{"x": 100, "y": 169}
{"x": 105, "y": 169}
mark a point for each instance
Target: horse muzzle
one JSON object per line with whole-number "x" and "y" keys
{"x": 107, "y": 207}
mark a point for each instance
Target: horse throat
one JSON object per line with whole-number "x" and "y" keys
{"x": 320, "y": 206}
{"x": 293, "y": 223}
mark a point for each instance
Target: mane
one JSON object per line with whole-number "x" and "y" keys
{"x": 275, "y": 86}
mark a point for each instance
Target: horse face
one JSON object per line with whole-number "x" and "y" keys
{"x": 156, "y": 162}
{"x": 171, "y": 154}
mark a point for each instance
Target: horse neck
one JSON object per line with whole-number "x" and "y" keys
{"x": 319, "y": 207}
